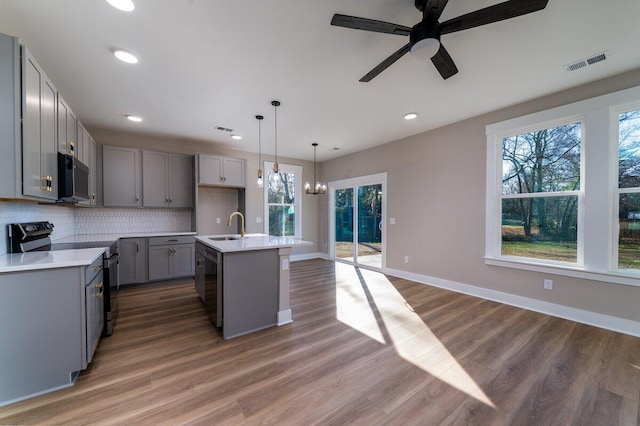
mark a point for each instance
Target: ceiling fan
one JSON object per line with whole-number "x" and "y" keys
{"x": 424, "y": 37}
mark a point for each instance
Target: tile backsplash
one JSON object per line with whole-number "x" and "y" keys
{"x": 69, "y": 221}
{"x": 106, "y": 221}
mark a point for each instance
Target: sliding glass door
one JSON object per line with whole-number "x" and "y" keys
{"x": 357, "y": 218}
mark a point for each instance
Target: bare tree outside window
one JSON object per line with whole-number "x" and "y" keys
{"x": 281, "y": 198}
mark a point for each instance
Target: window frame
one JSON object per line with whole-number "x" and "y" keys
{"x": 297, "y": 205}
{"x": 579, "y": 193}
{"x": 597, "y": 217}
{"x": 617, "y": 191}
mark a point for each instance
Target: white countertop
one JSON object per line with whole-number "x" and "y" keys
{"x": 250, "y": 242}
{"x": 85, "y": 238}
{"x": 48, "y": 259}
{"x": 68, "y": 258}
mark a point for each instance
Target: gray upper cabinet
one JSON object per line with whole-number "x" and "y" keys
{"x": 83, "y": 148}
{"x": 181, "y": 186}
{"x": 67, "y": 127}
{"x": 216, "y": 170}
{"x": 39, "y": 132}
{"x": 167, "y": 179}
{"x": 121, "y": 177}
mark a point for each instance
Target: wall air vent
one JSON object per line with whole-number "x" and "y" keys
{"x": 224, "y": 129}
{"x": 593, "y": 59}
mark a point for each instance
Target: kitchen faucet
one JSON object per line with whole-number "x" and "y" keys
{"x": 241, "y": 223}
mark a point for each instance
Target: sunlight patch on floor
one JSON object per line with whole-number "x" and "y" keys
{"x": 369, "y": 303}
{"x": 635, "y": 366}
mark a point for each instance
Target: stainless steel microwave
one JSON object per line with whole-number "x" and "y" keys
{"x": 73, "y": 179}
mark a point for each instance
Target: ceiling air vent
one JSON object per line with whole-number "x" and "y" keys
{"x": 582, "y": 63}
{"x": 224, "y": 129}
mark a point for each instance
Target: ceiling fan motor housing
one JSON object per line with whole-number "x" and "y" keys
{"x": 424, "y": 40}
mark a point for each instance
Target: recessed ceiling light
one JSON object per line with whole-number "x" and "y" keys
{"x": 134, "y": 118}
{"x": 410, "y": 116}
{"x": 124, "y": 5}
{"x": 236, "y": 137}
{"x": 125, "y": 56}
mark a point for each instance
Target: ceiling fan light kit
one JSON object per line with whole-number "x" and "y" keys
{"x": 424, "y": 37}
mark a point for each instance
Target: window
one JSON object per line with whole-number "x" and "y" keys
{"x": 628, "y": 190}
{"x": 563, "y": 190}
{"x": 540, "y": 193}
{"x": 282, "y": 195}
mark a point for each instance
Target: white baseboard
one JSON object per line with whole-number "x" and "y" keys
{"x": 608, "y": 322}
{"x": 307, "y": 256}
{"x": 284, "y": 317}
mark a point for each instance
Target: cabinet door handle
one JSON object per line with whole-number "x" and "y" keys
{"x": 170, "y": 200}
{"x": 100, "y": 285}
{"x": 166, "y": 200}
{"x": 137, "y": 248}
{"x": 172, "y": 241}
{"x": 97, "y": 268}
{"x": 137, "y": 200}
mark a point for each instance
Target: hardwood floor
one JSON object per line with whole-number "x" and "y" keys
{"x": 363, "y": 349}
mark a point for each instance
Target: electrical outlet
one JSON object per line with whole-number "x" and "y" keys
{"x": 406, "y": 259}
{"x": 258, "y": 220}
{"x": 285, "y": 264}
{"x": 548, "y": 284}
{"x": 218, "y": 220}
{"x": 392, "y": 221}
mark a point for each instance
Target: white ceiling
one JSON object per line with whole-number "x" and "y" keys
{"x": 207, "y": 63}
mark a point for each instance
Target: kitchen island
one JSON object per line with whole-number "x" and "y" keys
{"x": 244, "y": 281}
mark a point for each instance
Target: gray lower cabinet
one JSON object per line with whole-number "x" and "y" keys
{"x": 50, "y": 324}
{"x": 94, "y": 306}
{"x": 171, "y": 257}
{"x": 133, "y": 260}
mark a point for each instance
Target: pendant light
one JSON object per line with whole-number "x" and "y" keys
{"x": 319, "y": 188}
{"x": 276, "y": 172}
{"x": 259, "y": 118}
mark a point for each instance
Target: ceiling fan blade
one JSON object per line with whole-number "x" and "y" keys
{"x": 444, "y": 64}
{"x": 495, "y": 13}
{"x": 433, "y": 9}
{"x": 369, "y": 25}
{"x": 386, "y": 63}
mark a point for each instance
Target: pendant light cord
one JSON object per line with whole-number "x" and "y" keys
{"x": 275, "y": 110}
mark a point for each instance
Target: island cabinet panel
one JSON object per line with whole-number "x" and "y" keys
{"x": 215, "y": 170}
{"x": 121, "y": 177}
{"x": 171, "y": 257}
{"x": 133, "y": 261}
{"x": 42, "y": 330}
{"x": 250, "y": 291}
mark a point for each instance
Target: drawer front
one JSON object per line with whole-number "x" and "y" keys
{"x": 92, "y": 270}
{"x": 176, "y": 239}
